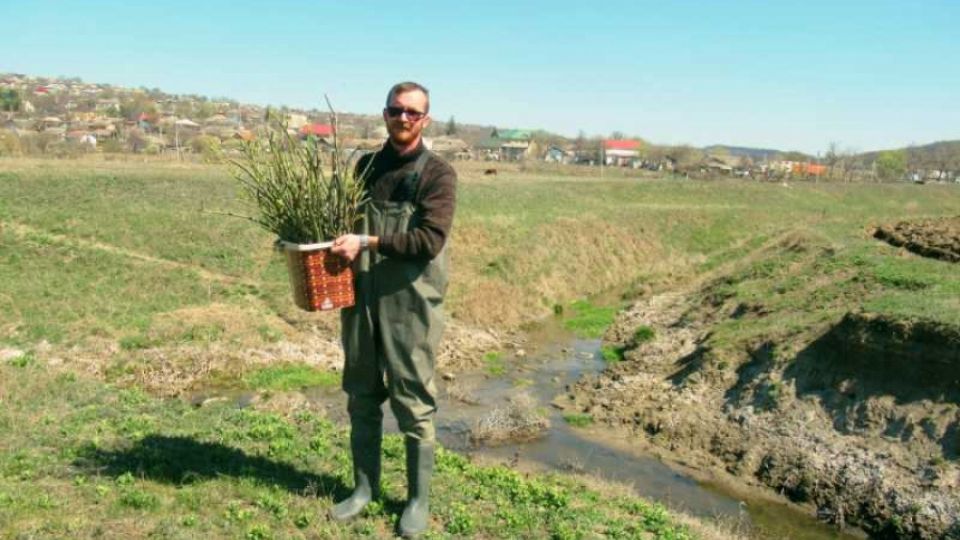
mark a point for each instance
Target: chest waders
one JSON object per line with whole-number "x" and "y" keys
{"x": 390, "y": 337}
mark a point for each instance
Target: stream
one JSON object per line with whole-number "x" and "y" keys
{"x": 553, "y": 359}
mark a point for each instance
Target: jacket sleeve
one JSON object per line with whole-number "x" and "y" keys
{"x": 435, "y": 205}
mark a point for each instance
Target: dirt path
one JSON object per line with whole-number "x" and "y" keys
{"x": 25, "y": 231}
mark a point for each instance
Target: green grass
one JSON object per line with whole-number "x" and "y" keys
{"x": 105, "y": 461}
{"x": 611, "y": 354}
{"x": 807, "y": 290}
{"x": 578, "y": 419}
{"x": 588, "y": 320}
{"x": 643, "y": 334}
{"x": 290, "y": 377}
{"x": 581, "y": 236}
{"x": 115, "y": 258}
{"x": 494, "y": 363}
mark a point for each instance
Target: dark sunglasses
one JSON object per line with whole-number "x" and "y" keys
{"x": 394, "y": 112}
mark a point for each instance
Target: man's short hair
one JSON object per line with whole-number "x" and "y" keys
{"x": 408, "y": 86}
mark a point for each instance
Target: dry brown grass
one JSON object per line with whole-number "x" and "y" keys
{"x": 567, "y": 259}
{"x": 518, "y": 420}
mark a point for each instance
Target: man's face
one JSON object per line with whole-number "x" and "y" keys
{"x": 405, "y": 117}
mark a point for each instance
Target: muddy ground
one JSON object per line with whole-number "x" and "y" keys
{"x": 938, "y": 238}
{"x": 861, "y": 422}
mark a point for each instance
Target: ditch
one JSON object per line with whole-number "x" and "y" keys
{"x": 552, "y": 360}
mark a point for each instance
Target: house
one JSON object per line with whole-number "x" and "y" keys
{"x": 808, "y": 169}
{"x": 556, "y": 154}
{"x": 723, "y": 164}
{"x": 321, "y": 131}
{"x": 146, "y": 121}
{"x": 108, "y": 105}
{"x": 186, "y": 123}
{"x": 508, "y": 145}
{"x": 621, "y": 153}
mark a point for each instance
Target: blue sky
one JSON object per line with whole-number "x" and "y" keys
{"x": 777, "y": 74}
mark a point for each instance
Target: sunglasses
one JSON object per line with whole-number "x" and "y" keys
{"x": 394, "y": 112}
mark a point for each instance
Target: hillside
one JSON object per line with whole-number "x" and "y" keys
{"x": 61, "y": 106}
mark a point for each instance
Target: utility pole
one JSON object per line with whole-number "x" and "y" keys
{"x": 602, "y": 158}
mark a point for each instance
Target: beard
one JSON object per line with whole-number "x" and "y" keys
{"x": 402, "y": 133}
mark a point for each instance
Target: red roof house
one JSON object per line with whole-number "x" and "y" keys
{"x": 621, "y": 152}
{"x": 317, "y": 130}
{"x": 621, "y": 145}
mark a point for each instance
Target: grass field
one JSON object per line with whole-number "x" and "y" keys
{"x": 104, "y": 249}
{"x": 110, "y": 266}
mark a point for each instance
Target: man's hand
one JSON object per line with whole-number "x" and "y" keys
{"x": 347, "y": 246}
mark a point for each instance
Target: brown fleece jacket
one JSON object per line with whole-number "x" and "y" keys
{"x": 434, "y": 198}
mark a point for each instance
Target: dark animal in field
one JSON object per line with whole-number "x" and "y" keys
{"x": 490, "y": 172}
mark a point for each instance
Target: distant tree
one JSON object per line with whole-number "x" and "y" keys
{"x": 183, "y": 108}
{"x": 205, "y": 110}
{"x": 686, "y": 157}
{"x": 839, "y": 162}
{"x": 10, "y": 100}
{"x": 891, "y": 165}
{"x": 580, "y": 144}
{"x": 451, "y": 127}
{"x": 133, "y": 106}
{"x": 617, "y": 136}
{"x": 943, "y": 157}
{"x": 207, "y": 147}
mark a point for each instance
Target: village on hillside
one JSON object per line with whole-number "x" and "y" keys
{"x": 66, "y": 117}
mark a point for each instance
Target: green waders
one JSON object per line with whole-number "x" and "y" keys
{"x": 390, "y": 338}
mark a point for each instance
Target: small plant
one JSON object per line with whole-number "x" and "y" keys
{"x": 139, "y": 500}
{"x": 303, "y": 192}
{"x": 495, "y": 363}
{"x": 578, "y": 419}
{"x": 289, "y": 377}
{"x": 611, "y": 354}
{"x": 259, "y": 532}
{"x": 461, "y": 521}
{"x": 22, "y": 361}
{"x": 590, "y": 321}
{"x": 643, "y": 334}
{"x": 274, "y": 504}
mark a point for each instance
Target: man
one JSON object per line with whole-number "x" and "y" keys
{"x": 390, "y": 336}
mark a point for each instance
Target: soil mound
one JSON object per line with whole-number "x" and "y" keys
{"x": 937, "y": 238}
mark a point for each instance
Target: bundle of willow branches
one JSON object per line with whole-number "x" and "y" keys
{"x": 303, "y": 191}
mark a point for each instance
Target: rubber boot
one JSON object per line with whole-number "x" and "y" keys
{"x": 416, "y": 515}
{"x": 365, "y": 448}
